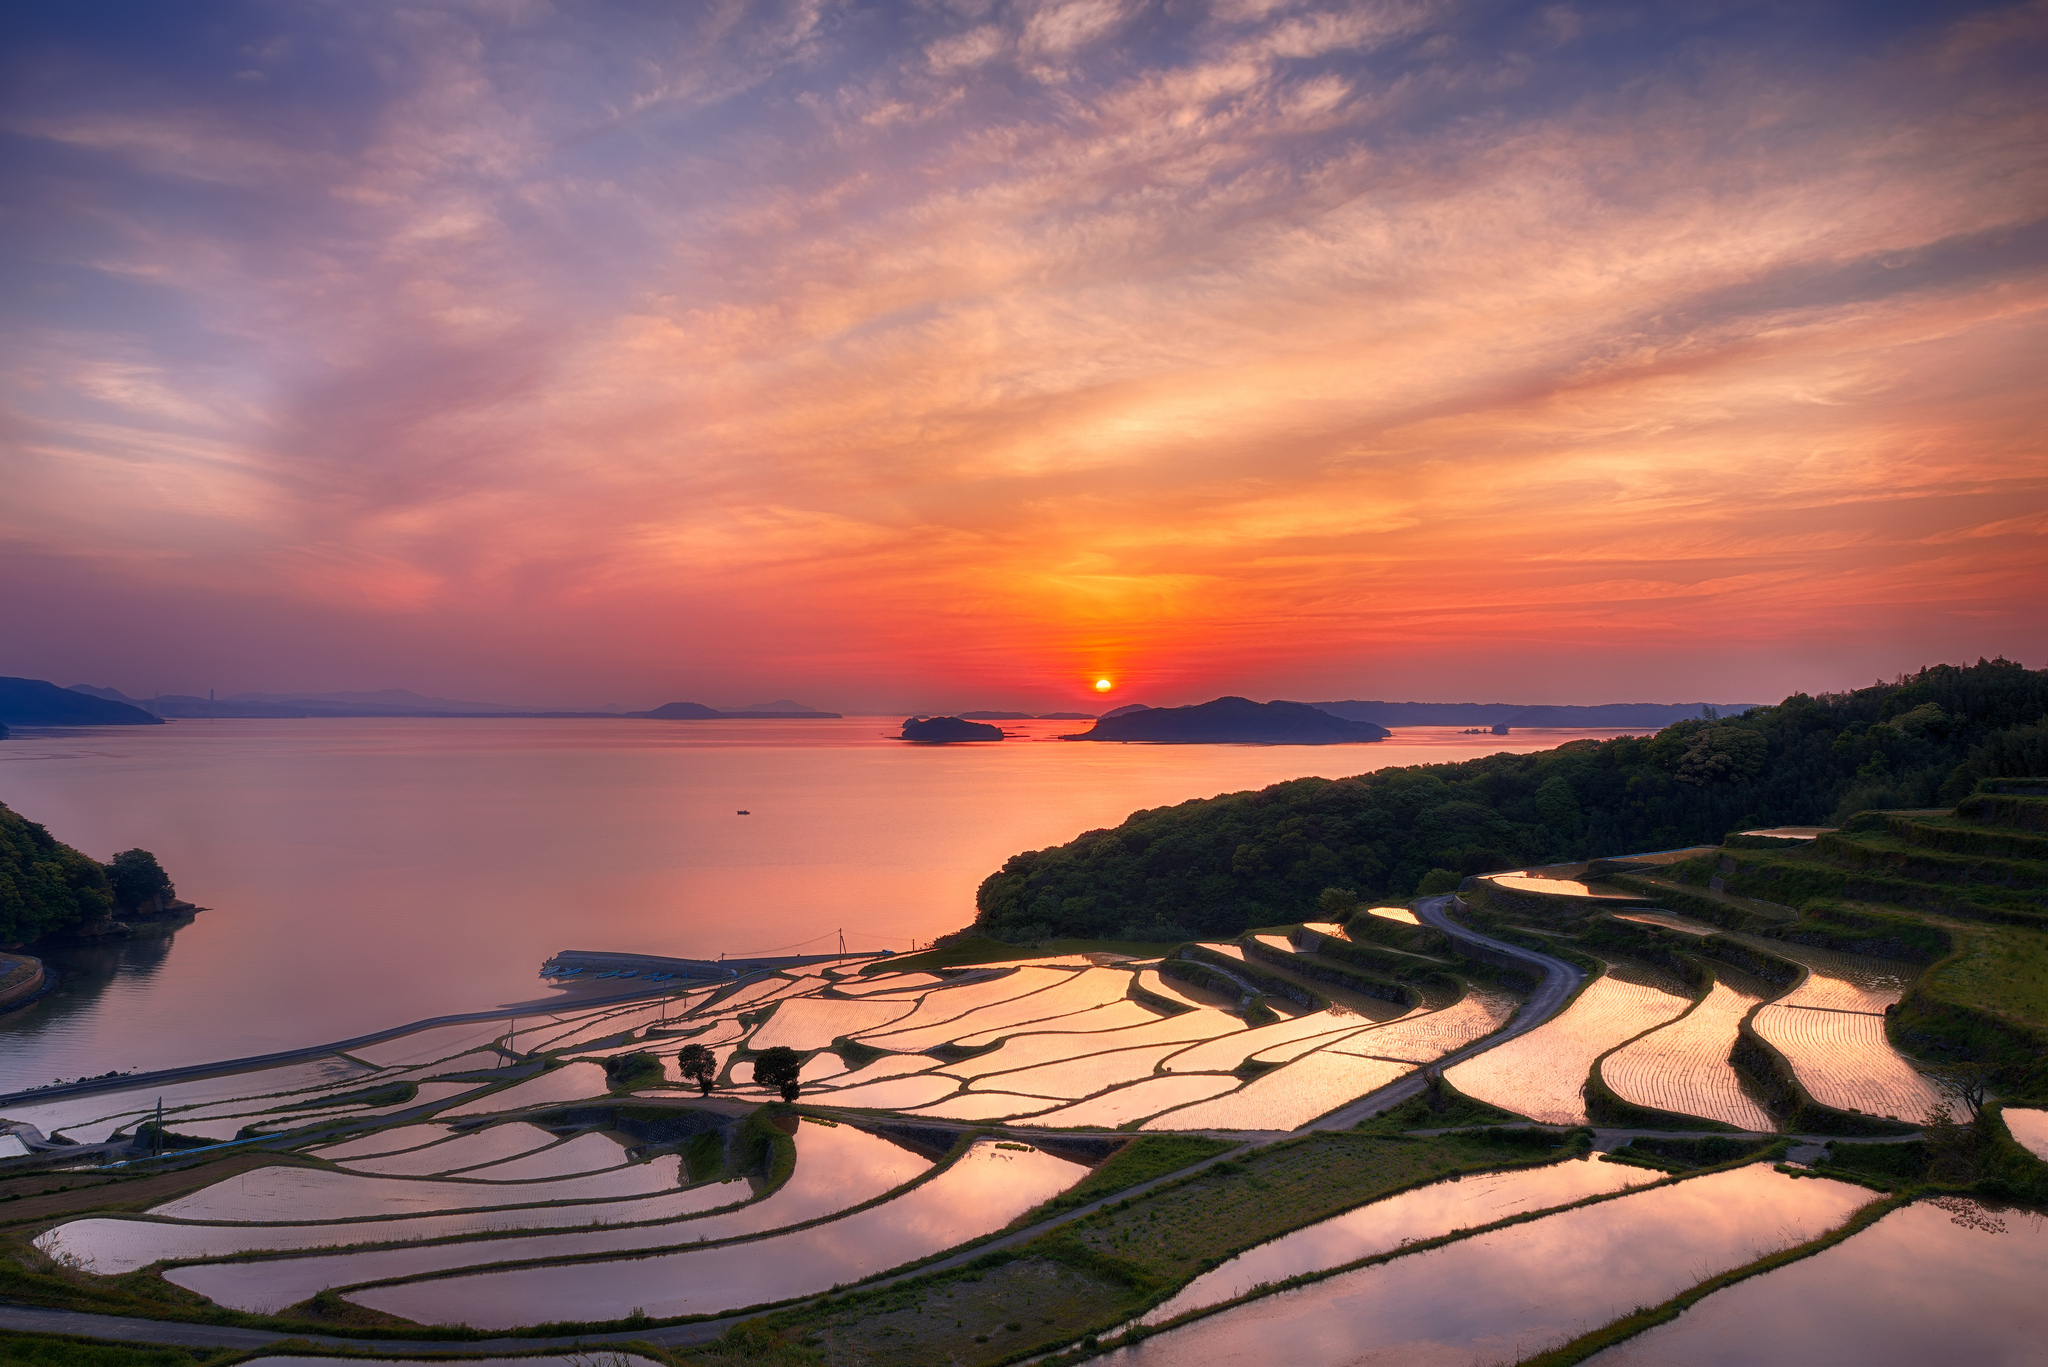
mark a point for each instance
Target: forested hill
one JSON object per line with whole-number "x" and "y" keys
{"x": 1219, "y": 865}
{"x": 48, "y": 888}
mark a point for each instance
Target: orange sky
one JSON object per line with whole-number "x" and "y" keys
{"x": 908, "y": 359}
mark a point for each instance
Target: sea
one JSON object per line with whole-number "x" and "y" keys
{"x": 361, "y": 873}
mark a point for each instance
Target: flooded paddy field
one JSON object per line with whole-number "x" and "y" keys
{"x": 495, "y": 1174}
{"x": 1384, "y": 1226}
{"x": 1949, "y": 1279}
{"x": 978, "y": 1193}
{"x": 1568, "y": 1272}
{"x": 1540, "y": 1074}
{"x": 1844, "y": 1059}
{"x": 1683, "y": 1067}
{"x": 2029, "y": 1127}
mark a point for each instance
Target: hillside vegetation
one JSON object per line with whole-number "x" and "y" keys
{"x": 48, "y": 888}
{"x": 1221, "y": 865}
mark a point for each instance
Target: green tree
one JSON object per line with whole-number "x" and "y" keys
{"x": 778, "y": 1067}
{"x": 1436, "y": 881}
{"x": 631, "y": 1070}
{"x": 46, "y": 887}
{"x": 1337, "y": 904}
{"x": 699, "y": 1065}
{"x": 136, "y": 879}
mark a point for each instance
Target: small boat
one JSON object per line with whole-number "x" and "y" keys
{"x": 743, "y": 812}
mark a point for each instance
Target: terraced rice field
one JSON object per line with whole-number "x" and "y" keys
{"x": 1515, "y": 1292}
{"x": 1426, "y": 1037}
{"x": 573, "y": 1082}
{"x": 1222, "y": 1055}
{"x": 1383, "y": 1226}
{"x": 981, "y": 1192}
{"x": 1150, "y": 981}
{"x": 1667, "y": 920}
{"x": 1072, "y": 1079}
{"x": 1870, "y": 996}
{"x": 954, "y": 1001}
{"x": 986, "y": 1106}
{"x": 1138, "y": 1101}
{"x": 1684, "y": 1066}
{"x": 91, "y": 1117}
{"x": 280, "y": 1195}
{"x": 1844, "y": 1060}
{"x": 837, "y": 1168}
{"x": 1542, "y": 1074}
{"x": 1023, "y": 1051}
{"x": 1287, "y": 1097}
{"x": 1401, "y": 914}
{"x": 503, "y": 1206}
{"x": 439, "y": 1153}
{"x": 814, "y": 1022}
{"x": 1079, "y": 991}
{"x": 2029, "y": 1129}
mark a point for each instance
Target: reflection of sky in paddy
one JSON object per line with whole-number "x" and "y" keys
{"x": 462, "y": 1151}
{"x": 1138, "y": 1100}
{"x": 110, "y": 1110}
{"x": 1505, "y": 1295}
{"x": 280, "y": 1195}
{"x": 1289, "y": 1096}
{"x": 1948, "y": 1281}
{"x": 1540, "y": 1074}
{"x": 1383, "y": 1226}
{"x": 837, "y": 1166}
{"x": 2030, "y": 1128}
{"x": 983, "y": 1191}
{"x": 572, "y": 1082}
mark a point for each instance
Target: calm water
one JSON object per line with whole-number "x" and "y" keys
{"x": 364, "y": 873}
{"x": 1507, "y": 1295}
{"x": 1940, "y": 1281}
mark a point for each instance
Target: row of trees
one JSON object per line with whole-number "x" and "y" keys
{"x": 780, "y": 1067}
{"x": 48, "y": 888}
{"x": 1219, "y": 865}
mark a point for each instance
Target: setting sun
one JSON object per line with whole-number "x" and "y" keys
{"x": 1102, "y": 685}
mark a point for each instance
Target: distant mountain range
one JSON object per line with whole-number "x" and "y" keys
{"x": 1622, "y": 716}
{"x": 34, "y": 702}
{"x": 696, "y": 711}
{"x": 37, "y": 702}
{"x": 393, "y": 702}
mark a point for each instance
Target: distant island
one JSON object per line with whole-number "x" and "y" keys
{"x": 387, "y": 702}
{"x": 943, "y": 730}
{"x": 37, "y": 702}
{"x": 1618, "y": 716}
{"x": 696, "y": 711}
{"x": 1233, "y": 720}
{"x": 1028, "y": 716}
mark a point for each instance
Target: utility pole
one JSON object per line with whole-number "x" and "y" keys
{"x": 158, "y": 1138}
{"x": 842, "y": 943}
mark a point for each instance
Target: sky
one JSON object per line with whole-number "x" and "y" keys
{"x": 954, "y": 353}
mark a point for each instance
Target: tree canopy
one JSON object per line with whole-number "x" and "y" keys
{"x": 1219, "y": 865}
{"x": 45, "y": 886}
{"x": 136, "y": 878}
{"x": 778, "y": 1067}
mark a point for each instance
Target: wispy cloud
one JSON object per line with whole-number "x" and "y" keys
{"x": 1279, "y": 347}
